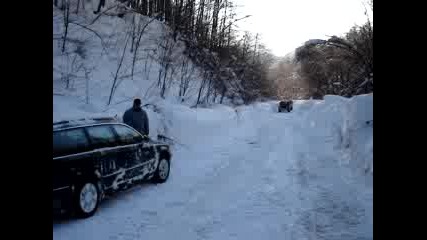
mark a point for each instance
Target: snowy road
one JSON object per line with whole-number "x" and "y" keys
{"x": 252, "y": 175}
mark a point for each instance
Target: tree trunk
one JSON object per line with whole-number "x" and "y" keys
{"x": 202, "y": 85}
{"x": 100, "y": 5}
{"x": 215, "y": 24}
{"x": 138, "y": 41}
{"x": 165, "y": 74}
{"x": 133, "y": 33}
{"x": 222, "y": 95}
{"x": 144, "y": 7}
{"x": 222, "y": 33}
{"x": 150, "y": 8}
{"x": 168, "y": 10}
{"x": 78, "y": 6}
{"x": 87, "y": 86}
{"x": 66, "y": 23}
{"x": 114, "y": 86}
{"x": 199, "y": 23}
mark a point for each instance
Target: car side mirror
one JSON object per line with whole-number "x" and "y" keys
{"x": 145, "y": 138}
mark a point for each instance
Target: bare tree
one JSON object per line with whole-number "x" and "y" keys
{"x": 115, "y": 85}
{"x": 66, "y": 23}
{"x": 186, "y": 76}
{"x": 139, "y": 33}
{"x": 201, "y": 88}
{"x": 87, "y": 78}
{"x": 342, "y": 66}
{"x": 165, "y": 60}
{"x": 78, "y": 5}
{"x": 148, "y": 63}
{"x": 100, "y": 5}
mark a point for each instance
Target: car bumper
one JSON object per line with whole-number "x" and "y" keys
{"x": 61, "y": 199}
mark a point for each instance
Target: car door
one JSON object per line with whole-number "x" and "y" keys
{"x": 69, "y": 148}
{"x": 135, "y": 152}
{"x": 106, "y": 146}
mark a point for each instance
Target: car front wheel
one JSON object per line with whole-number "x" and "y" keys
{"x": 162, "y": 172}
{"x": 86, "y": 199}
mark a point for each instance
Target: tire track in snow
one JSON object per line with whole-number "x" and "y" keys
{"x": 335, "y": 209}
{"x": 233, "y": 186}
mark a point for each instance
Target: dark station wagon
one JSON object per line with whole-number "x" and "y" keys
{"x": 98, "y": 157}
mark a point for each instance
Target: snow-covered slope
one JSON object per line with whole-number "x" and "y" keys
{"x": 92, "y": 60}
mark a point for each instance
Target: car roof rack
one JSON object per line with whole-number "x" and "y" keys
{"x": 83, "y": 121}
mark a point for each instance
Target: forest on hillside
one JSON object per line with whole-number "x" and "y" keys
{"x": 339, "y": 65}
{"x": 238, "y": 65}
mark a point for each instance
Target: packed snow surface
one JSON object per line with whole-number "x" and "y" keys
{"x": 246, "y": 173}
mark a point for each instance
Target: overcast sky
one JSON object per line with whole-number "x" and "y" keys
{"x": 286, "y": 24}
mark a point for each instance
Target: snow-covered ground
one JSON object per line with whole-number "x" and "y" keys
{"x": 249, "y": 173}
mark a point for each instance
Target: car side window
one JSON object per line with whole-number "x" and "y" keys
{"x": 101, "y": 136}
{"x": 69, "y": 142}
{"x": 127, "y": 135}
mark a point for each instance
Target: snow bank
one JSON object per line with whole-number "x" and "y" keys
{"x": 196, "y": 126}
{"x": 343, "y": 122}
{"x": 334, "y": 163}
{"x": 324, "y": 119}
{"x": 304, "y": 105}
{"x": 358, "y": 132}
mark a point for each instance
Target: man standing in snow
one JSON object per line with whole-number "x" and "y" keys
{"x": 137, "y": 118}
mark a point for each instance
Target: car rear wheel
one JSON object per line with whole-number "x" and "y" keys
{"x": 86, "y": 199}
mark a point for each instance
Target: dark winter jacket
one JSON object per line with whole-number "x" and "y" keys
{"x": 138, "y": 119}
